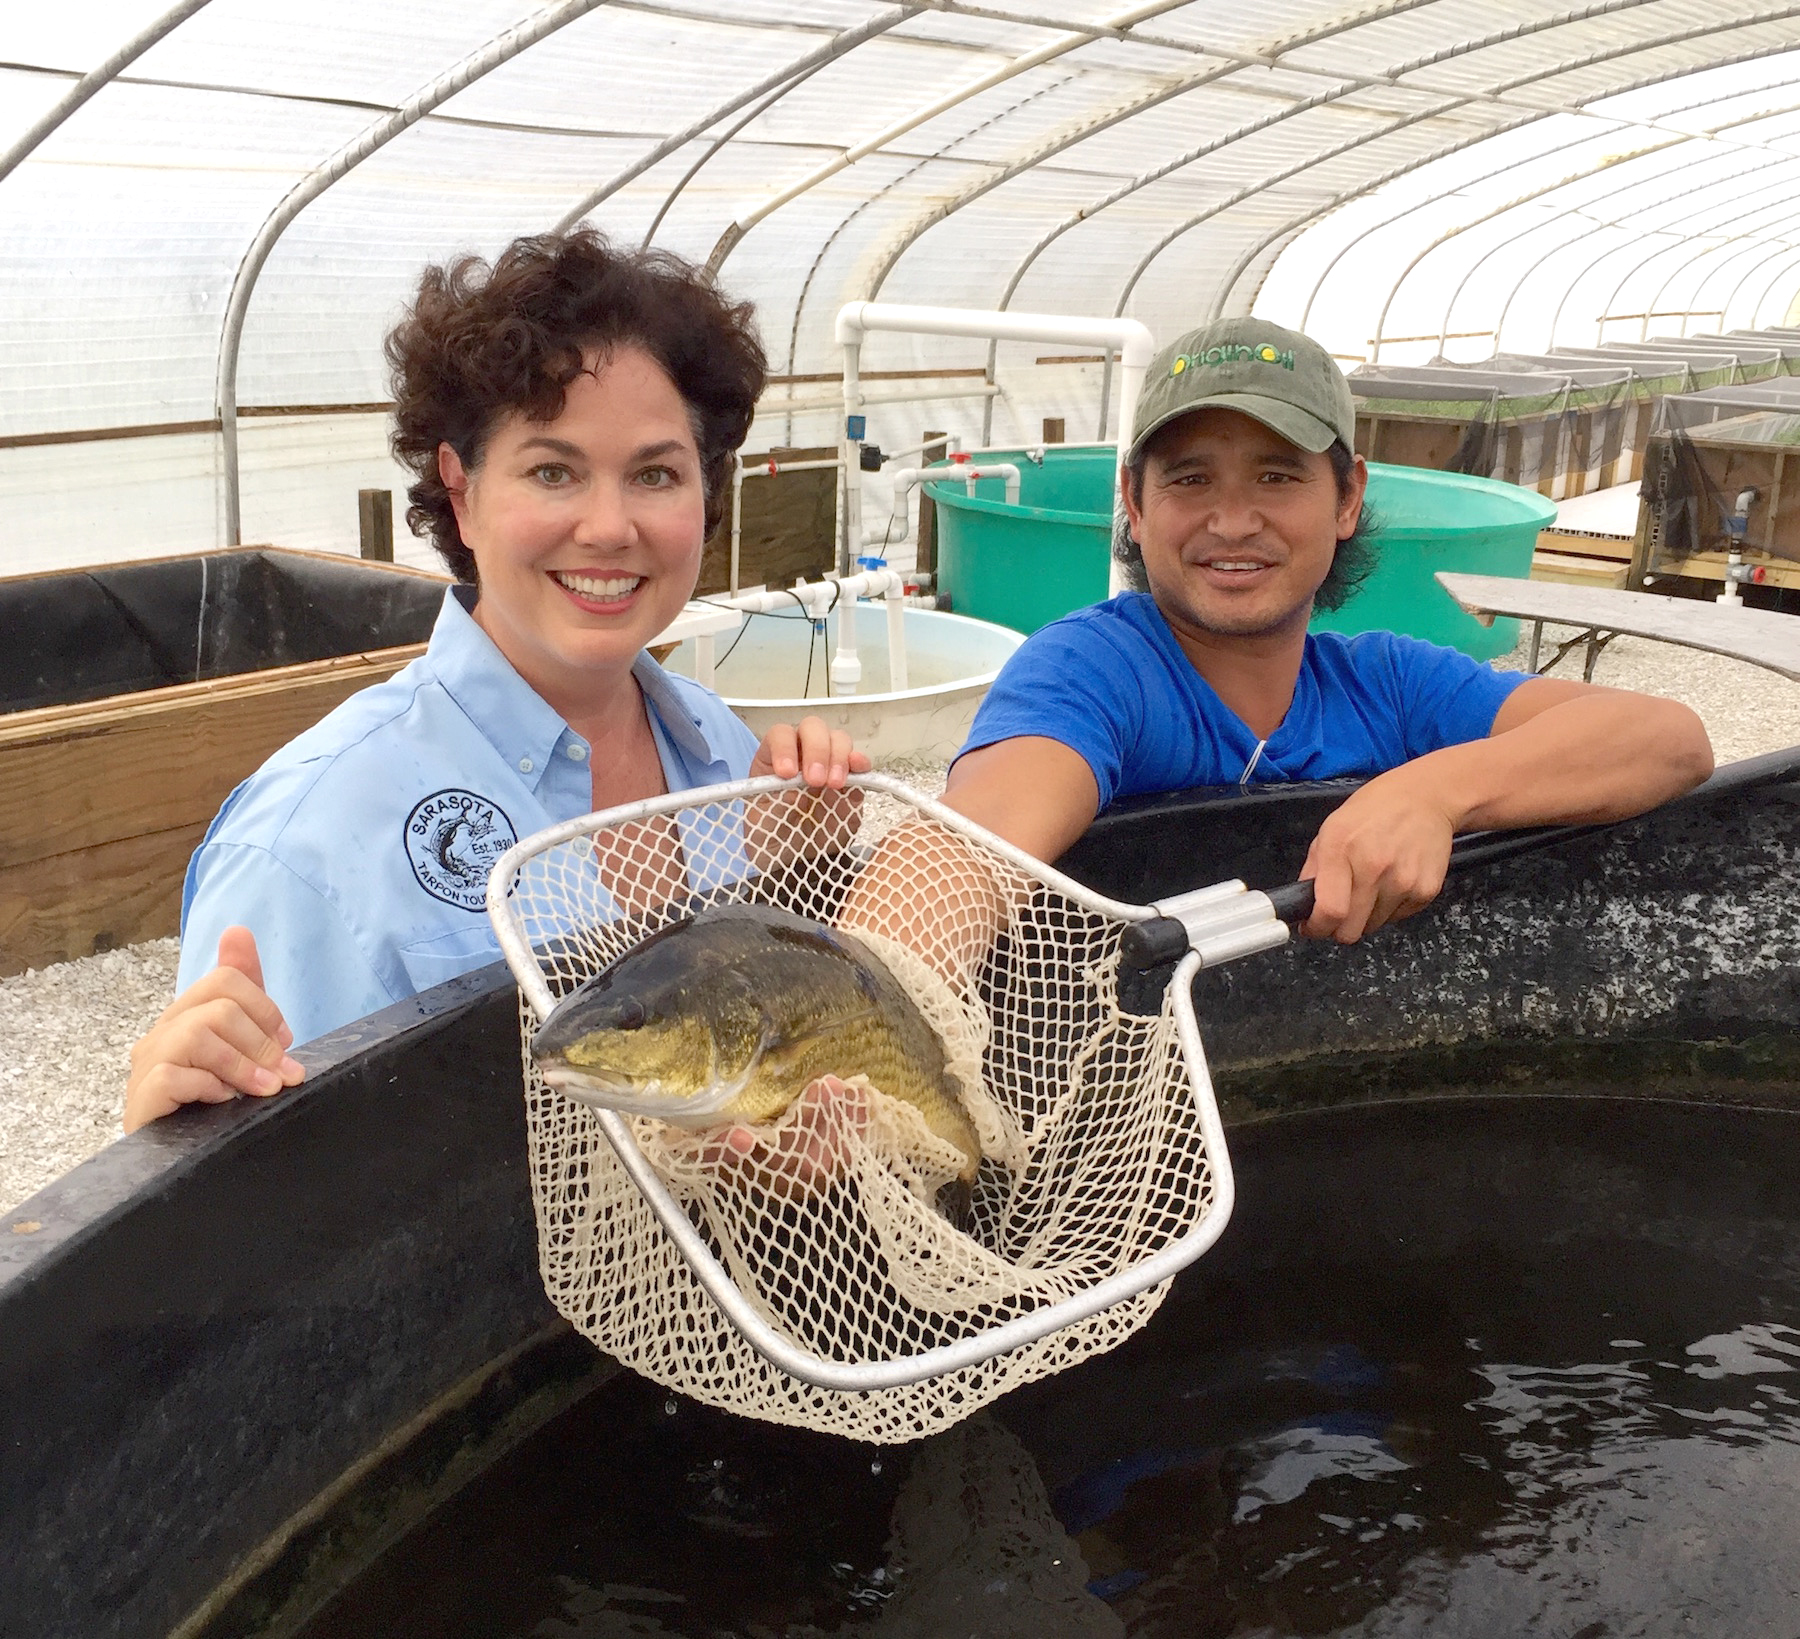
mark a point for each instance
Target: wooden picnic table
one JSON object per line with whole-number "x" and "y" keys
{"x": 1759, "y": 636}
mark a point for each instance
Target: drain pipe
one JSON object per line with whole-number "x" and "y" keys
{"x": 907, "y": 479}
{"x": 1737, "y": 572}
{"x": 1132, "y": 340}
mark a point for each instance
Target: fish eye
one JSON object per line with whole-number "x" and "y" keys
{"x": 631, "y": 1016}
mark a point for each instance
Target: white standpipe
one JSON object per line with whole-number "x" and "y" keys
{"x": 1133, "y": 341}
{"x": 819, "y": 598}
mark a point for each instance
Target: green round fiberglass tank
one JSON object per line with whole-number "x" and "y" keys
{"x": 1023, "y": 566}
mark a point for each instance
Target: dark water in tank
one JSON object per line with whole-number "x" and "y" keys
{"x": 1457, "y": 1368}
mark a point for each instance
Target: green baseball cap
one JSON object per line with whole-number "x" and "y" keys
{"x": 1279, "y": 377}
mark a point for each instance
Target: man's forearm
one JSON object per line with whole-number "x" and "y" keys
{"x": 1595, "y": 757}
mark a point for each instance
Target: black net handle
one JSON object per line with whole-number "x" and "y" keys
{"x": 1162, "y": 940}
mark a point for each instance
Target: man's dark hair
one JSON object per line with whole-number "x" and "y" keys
{"x": 481, "y": 342}
{"x": 1353, "y": 563}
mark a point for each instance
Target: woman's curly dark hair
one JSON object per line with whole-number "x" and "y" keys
{"x": 480, "y": 342}
{"x": 1351, "y": 565}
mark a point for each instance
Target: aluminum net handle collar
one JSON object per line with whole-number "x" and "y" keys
{"x": 1218, "y": 924}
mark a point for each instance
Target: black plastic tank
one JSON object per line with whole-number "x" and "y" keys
{"x": 1499, "y": 1338}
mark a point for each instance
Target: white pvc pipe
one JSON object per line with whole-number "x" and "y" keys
{"x": 907, "y": 479}
{"x": 896, "y": 618}
{"x": 818, "y": 598}
{"x": 1133, "y": 340}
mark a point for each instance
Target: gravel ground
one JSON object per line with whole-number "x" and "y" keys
{"x": 66, "y": 1031}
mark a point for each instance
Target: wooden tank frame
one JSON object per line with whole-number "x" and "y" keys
{"x": 1732, "y": 463}
{"x": 102, "y": 801}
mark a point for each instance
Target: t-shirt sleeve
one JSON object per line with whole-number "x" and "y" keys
{"x": 1071, "y": 684}
{"x": 313, "y": 966}
{"x": 1445, "y": 697}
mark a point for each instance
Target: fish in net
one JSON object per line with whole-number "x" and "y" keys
{"x": 811, "y": 1278}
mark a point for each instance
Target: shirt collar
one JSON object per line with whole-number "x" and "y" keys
{"x": 668, "y": 708}
{"x": 512, "y": 716}
{"x": 507, "y": 711}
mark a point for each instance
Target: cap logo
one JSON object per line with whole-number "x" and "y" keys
{"x": 1233, "y": 353}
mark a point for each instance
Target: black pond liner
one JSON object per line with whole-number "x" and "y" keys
{"x": 93, "y": 633}
{"x": 247, "y": 1348}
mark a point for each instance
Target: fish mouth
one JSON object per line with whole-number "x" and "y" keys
{"x": 647, "y": 1098}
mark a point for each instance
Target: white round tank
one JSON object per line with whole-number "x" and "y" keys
{"x": 777, "y": 669}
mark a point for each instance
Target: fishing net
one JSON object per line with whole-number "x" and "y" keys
{"x": 1101, "y": 1160}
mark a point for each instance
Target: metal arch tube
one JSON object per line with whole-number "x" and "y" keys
{"x": 911, "y": 234}
{"x": 96, "y": 79}
{"x": 1560, "y": 216}
{"x": 1631, "y": 272}
{"x": 1454, "y": 100}
{"x": 1779, "y": 271}
{"x": 502, "y": 49}
{"x": 1337, "y": 256}
{"x": 1468, "y": 227}
{"x": 1295, "y": 223}
{"x": 1744, "y": 239}
{"x": 1544, "y": 113}
{"x": 756, "y": 112}
{"x": 1734, "y": 205}
{"x": 1758, "y": 249}
{"x": 1356, "y": 142}
{"x": 1614, "y": 249}
{"x": 1012, "y": 69}
{"x": 1219, "y": 207}
{"x": 1348, "y": 84}
{"x": 1088, "y": 212}
{"x": 785, "y": 78}
{"x": 1595, "y": 261}
{"x": 1745, "y": 277}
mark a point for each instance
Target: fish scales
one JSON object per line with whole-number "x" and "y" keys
{"x": 729, "y": 1015}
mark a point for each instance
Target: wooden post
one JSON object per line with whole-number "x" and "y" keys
{"x": 375, "y": 524}
{"x": 1053, "y": 429}
{"x": 936, "y": 449}
{"x": 1773, "y": 504}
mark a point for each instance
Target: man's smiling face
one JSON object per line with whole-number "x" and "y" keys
{"x": 1238, "y": 526}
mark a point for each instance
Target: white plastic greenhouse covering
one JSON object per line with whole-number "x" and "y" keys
{"x": 1402, "y": 179}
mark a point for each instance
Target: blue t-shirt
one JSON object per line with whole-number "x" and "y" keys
{"x": 1112, "y": 683}
{"x": 358, "y": 854}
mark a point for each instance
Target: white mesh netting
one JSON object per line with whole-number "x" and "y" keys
{"x": 1093, "y": 1152}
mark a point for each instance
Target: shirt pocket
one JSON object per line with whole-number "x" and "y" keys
{"x": 430, "y": 962}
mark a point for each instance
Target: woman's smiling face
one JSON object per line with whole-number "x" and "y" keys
{"x": 586, "y": 530}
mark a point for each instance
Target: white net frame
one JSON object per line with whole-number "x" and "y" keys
{"x": 838, "y": 1297}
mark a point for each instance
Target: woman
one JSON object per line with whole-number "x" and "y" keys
{"x": 571, "y": 414}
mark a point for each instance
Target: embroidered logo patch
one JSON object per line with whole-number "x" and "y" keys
{"x": 452, "y": 840}
{"x": 1233, "y": 353}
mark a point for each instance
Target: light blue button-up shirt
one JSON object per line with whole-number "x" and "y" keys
{"x": 358, "y": 854}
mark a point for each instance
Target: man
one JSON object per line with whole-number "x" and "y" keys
{"x": 1244, "y": 505}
